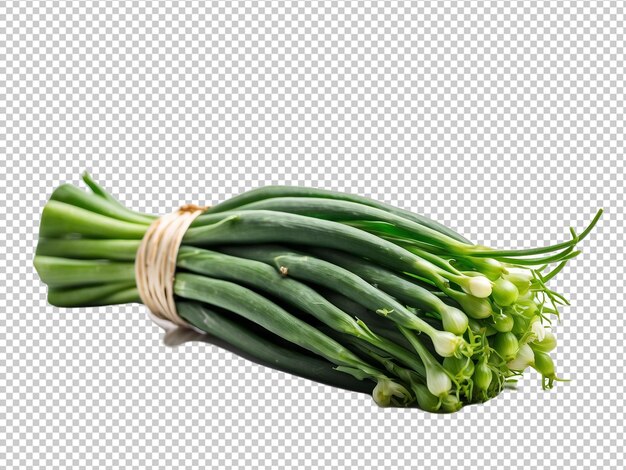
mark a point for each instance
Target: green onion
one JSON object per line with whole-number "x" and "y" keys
{"x": 260, "y": 276}
{"x": 482, "y": 377}
{"x": 504, "y": 292}
{"x": 236, "y": 336}
{"x": 310, "y": 269}
{"x": 437, "y": 380}
{"x": 403, "y": 288}
{"x": 503, "y": 322}
{"x": 524, "y": 358}
{"x": 332, "y": 287}
{"x": 521, "y": 278}
{"x": 258, "y": 309}
{"x": 460, "y": 368}
{"x": 506, "y": 345}
{"x": 545, "y": 366}
{"x": 258, "y": 226}
{"x": 537, "y": 329}
{"x": 270, "y": 192}
{"x": 474, "y": 307}
{"x": 547, "y": 344}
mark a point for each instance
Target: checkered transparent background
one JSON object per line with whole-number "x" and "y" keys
{"x": 503, "y": 120}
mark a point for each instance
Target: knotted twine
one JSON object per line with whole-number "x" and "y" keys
{"x": 155, "y": 264}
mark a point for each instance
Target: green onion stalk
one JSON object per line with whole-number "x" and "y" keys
{"x": 333, "y": 287}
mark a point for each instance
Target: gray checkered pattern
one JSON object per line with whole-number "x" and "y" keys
{"x": 505, "y": 121}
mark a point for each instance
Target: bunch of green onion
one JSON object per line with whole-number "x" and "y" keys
{"x": 329, "y": 286}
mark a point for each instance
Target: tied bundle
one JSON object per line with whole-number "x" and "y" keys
{"x": 333, "y": 287}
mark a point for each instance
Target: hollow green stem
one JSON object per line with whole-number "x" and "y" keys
{"x": 114, "y": 250}
{"x": 260, "y": 310}
{"x": 437, "y": 379}
{"x": 311, "y": 269}
{"x": 63, "y": 272}
{"x": 235, "y": 336}
{"x": 247, "y": 227}
{"x": 263, "y": 277}
{"x": 269, "y": 192}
